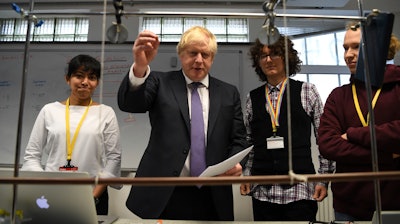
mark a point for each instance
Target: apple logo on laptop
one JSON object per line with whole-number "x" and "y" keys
{"x": 42, "y": 202}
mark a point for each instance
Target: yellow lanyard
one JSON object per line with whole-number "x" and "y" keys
{"x": 357, "y": 104}
{"x": 70, "y": 145}
{"x": 274, "y": 113}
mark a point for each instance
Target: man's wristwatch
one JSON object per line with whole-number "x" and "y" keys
{"x": 96, "y": 200}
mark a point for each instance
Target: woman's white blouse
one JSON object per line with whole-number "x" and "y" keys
{"x": 97, "y": 149}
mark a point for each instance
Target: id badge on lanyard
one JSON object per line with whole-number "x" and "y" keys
{"x": 275, "y": 142}
{"x": 68, "y": 167}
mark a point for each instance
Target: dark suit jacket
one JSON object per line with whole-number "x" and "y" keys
{"x": 164, "y": 96}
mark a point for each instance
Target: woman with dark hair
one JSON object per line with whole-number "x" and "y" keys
{"x": 78, "y": 134}
{"x": 267, "y": 125}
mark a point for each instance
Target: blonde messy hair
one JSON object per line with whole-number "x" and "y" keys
{"x": 394, "y": 47}
{"x": 196, "y": 35}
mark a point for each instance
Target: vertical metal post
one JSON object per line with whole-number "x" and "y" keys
{"x": 371, "y": 122}
{"x": 21, "y": 111}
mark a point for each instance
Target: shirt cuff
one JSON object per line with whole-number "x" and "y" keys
{"x": 325, "y": 184}
{"x": 136, "y": 81}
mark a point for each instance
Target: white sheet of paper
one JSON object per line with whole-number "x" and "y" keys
{"x": 225, "y": 165}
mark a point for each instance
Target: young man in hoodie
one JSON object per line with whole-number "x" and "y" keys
{"x": 344, "y": 135}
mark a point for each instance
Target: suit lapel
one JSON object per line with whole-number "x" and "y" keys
{"x": 179, "y": 90}
{"x": 215, "y": 102}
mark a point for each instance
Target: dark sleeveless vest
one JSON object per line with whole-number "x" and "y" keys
{"x": 275, "y": 161}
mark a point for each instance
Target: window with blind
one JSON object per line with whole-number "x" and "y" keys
{"x": 169, "y": 29}
{"x": 52, "y": 30}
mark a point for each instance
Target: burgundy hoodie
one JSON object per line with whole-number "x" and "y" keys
{"x": 356, "y": 198}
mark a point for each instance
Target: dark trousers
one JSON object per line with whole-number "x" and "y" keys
{"x": 102, "y": 206}
{"x": 303, "y": 210}
{"x": 190, "y": 203}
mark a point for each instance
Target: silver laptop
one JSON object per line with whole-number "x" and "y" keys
{"x": 52, "y": 203}
{"x": 388, "y": 217}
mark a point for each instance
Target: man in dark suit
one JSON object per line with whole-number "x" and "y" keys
{"x": 166, "y": 96}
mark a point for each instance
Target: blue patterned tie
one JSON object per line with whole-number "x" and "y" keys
{"x": 197, "y": 153}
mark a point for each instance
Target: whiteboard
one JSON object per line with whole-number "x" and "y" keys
{"x": 45, "y": 83}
